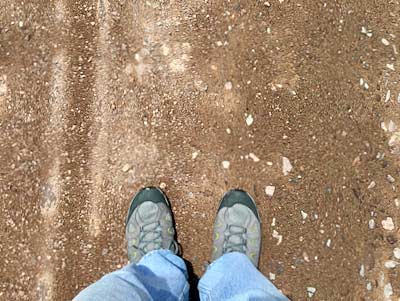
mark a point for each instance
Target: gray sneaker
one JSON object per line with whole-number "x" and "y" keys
{"x": 237, "y": 227}
{"x": 149, "y": 224}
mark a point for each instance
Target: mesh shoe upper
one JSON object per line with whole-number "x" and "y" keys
{"x": 237, "y": 227}
{"x": 149, "y": 224}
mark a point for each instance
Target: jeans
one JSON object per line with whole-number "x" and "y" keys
{"x": 161, "y": 275}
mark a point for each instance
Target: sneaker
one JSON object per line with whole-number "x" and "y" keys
{"x": 237, "y": 227}
{"x": 149, "y": 224}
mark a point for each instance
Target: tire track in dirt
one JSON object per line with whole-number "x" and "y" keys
{"x": 51, "y": 194}
{"x": 102, "y": 121}
{"x": 73, "y": 169}
{"x": 52, "y": 189}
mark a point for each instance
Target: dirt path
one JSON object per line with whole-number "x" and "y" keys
{"x": 99, "y": 98}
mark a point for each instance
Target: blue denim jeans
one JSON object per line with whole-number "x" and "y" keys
{"x": 161, "y": 275}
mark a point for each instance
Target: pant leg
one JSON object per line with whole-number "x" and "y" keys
{"x": 233, "y": 277}
{"x": 159, "y": 275}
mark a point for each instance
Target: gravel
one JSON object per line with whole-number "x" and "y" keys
{"x": 269, "y": 190}
{"x": 286, "y": 166}
{"x": 388, "y": 224}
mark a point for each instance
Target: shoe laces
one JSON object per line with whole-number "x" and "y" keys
{"x": 150, "y": 234}
{"x": 235, "y": 239}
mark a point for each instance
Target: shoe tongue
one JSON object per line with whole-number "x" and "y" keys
{"x": 148, "y": 212}
{"x": 237, "y": 215}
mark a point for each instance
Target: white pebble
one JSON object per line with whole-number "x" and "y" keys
{"x": 195, "y": 154}
{"x": 388, "y": 224}
{"x": 371, "y": 185}
{"x": 126, "y": 167}
{"x": 276, "y": 235}
{"x": 311, "y": 291}
{"x": 391, "y": 264}
{"x": 228, "y": 130}
{"x": 392, "y": 126}
{"x": 371, "y": 224}
{"x": 272, "y": 276}
{"x": 273, "y": 222}
{"x": 390, "y": 179}
{"x": 397, "y": 202}
{"x": 249, "y": 120}
{"x": 163, "y": 185}
{"x": 362, "y": 271}
{"x": 254, "y": 157}
{"x": 387, "y": 97}
{"x": 228, "y": 86}
{"x": 226, "y": 164}
{"x": 390, "y": 66}
{"x": 269, "y": 190}
{"x": 303, "y": 214}
{"x": 369, "y": 286}
{"x": 328, "y": 243}
{"x": 387, "y": 290}
{"x": 396, "y": 253}
{"x": 286, "y": 166}
{"x": 365, "y": 31}
{"x": 385, "y": 42}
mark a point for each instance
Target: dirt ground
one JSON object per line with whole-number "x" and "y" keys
{"x": 100, "y": 98}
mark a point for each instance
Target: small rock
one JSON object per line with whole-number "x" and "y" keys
{"x": 396, "y": 253}
{"x": 163, "y": 185}
{"x": 388, "y": 224}
{"x": 269, "y": 190}
{"x": 249, "y": 120}
{"x": 387, "y": 97}
{"x": 388, "y": 290}
{"x": 392, "y": 126}
{"x": 276, "y": 235}
{"x": 200, "y": 85}
{"x": 371, "y": 224}
{"x": 303, "y": 214}
{"x": 366, "y": 31}
{"x": 390, "y": 66}
{"x": 194, "y": 155}
{"x": 391, "y": 264}
{"x": 126, "y": 167}
{"x": 397, "y": 202}
{"x": 254, "y": 157}
{"x": 369, "y": 286}
{"x": 385, "y": 42}
{"x": 226, "y": 164}
{"x": 229, "y": 131}
{"x": 228, "y": 86}
{"x": 305, "y": 257}
{"x": 286, "y": 166}
{"x": 389, "y": 126}
{"x": 311, "y": 291}
{"x": 362, "y": 271}
{"x": 272, "y": 276}
{"x": 3, "y": 85}
{"x": 328, "y": 243}
{"x": 390, "y": 179}
{"x": 371, "y": 185}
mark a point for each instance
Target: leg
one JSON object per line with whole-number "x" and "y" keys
{"x": 155, "y": 272}
{"x": 233, "y": 275}
{"x": 159, "y": 275}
